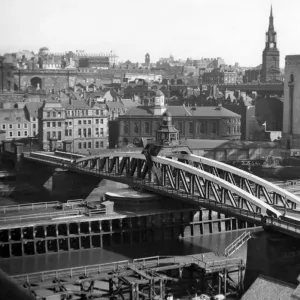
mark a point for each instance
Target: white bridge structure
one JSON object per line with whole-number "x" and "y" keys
{"x": 191, "y": 178}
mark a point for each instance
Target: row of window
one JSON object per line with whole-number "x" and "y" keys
{"x": 234, "y": 121}
{"x": 18, "y": 126}
{"x": 19, "y": 133}
{"x": 54, "y": 114}
{"x": 72, "y": 113}
{"x": 88, "y": 145}
{"x": 69, "y": 123}
{"x": 84, "y": 122}
{"x": 85, "y": 132}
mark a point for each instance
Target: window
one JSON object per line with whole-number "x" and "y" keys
{"x": 228, "y": 130}
{"x": 34, "y": 133}
{"x": 59, "y": 124}
{"x": 3, "y": 126}
{"x": 48, "y": 114}
{"x": 102, "y": 113}
{"x": 89, "y": 145}
{"x": 70, "y": 132}
{"x": 84, "y": 145}
{"x": 19, "y": 133}
{"x": 101, "y": 121}
{"x": 70, "y": 123}
{"x": 79, "y": 122}
{"x": 191, "y": 127}
{"x": 233, "y": 129}
{"x": 34, "y": 126}
{"x": 84, "y": 132}
{"x": 126, "y": 127}
{"x": 48, "y": 124}
{"x": 101, "y": 131}
{"x": 10, "y": 126}
{"x": 79, "y": 145}
{"x": 59, "y": 135}
{"x": 48, "y": 135}
{"x": 19, "y": 126}
{"x": 97, "y": 121}
{"x": 66, "y": 123}
{"x": 97, "y": 145}
{"x": 97, "y": 131}
{"x": 97, "y": 112}
{"x": 89, "y": 121}
{"x": 54, "y": 114}
{"x": 89, "y": 132}
{"x": 10, "y": 133}
{"x": 33, "y": 119}
{"x": 147, "y": 127}
{"x": 136, "y": 127}
{"x": 79, "y": 131}
{"x": 25, "y": 126}
{"x": 53, "y": 124}
{"x": 213, "y": 128}
{"x": 101, "y": 144}
{"x": 59, "y": 114}
{"x": 25, "y": 133}
{"x": 201, "y": 127}
{"x": 66, "y": 132}
{"x": 54, "y": 134}
{"x": 238, "y": 129}
{"x": 84, "y": 122}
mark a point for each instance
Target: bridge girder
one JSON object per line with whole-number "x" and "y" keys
{"x": 190, "y": 180}
{"x": 252, "y": 184}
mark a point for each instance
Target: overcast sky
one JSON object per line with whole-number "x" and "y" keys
{"x": 231, "y": 29}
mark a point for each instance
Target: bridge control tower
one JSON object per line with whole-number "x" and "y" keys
{"x": 167, "y": 139}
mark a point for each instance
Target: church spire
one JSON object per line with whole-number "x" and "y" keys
{"x": 271, "y": 24}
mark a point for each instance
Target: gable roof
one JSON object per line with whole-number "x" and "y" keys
{"x": 182, "y": 111}
{"x": 32, "y": 108}
{"x": 128, "y": 103}
{"x": 113, "y": 105}
{"x": 266, "y": 288}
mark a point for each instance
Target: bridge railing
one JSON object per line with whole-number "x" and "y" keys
{"x": 70, "y": 272}
{"x": 40, "y": 216}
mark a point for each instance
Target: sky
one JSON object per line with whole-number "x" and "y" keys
{"x": 231, "y": 29}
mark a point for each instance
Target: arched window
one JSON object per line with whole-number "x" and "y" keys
{"x": 136, "y": 127}
{"x": 126, "y": 127}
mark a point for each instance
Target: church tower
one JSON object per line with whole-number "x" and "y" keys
{"x": 270, "y": 58}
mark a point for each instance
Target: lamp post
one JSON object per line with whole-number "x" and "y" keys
{"x": 2, "y": 73}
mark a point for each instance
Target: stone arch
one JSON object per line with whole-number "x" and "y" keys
{"x": 35, "y": 81}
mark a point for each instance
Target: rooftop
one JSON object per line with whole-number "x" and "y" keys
{"x": 181, "y": 111}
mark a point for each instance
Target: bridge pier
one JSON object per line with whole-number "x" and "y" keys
{"x": 67, "y": 185}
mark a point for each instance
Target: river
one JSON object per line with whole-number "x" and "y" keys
{"x": 189, "y": 245}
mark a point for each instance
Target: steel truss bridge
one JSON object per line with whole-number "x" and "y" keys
{"x": 191, "y": 178}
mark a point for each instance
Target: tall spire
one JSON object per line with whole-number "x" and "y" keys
{"x": 271, "y": 24}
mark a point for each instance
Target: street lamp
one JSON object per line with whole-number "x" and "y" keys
{"x": 2, "y": 68}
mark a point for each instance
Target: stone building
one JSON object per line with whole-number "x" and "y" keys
{"x": 291, "y": 107}
{"x": 192, "y": 122}
{"x": 15, "y": 124}
{"x": 270, "y": 59}
{"x": 83, "y": 126}
{"x": 219, "y": 76}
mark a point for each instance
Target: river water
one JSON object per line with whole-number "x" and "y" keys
{"x": 185, "y": 246}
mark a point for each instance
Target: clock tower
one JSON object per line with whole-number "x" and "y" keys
{"x": 270, "y": 62}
